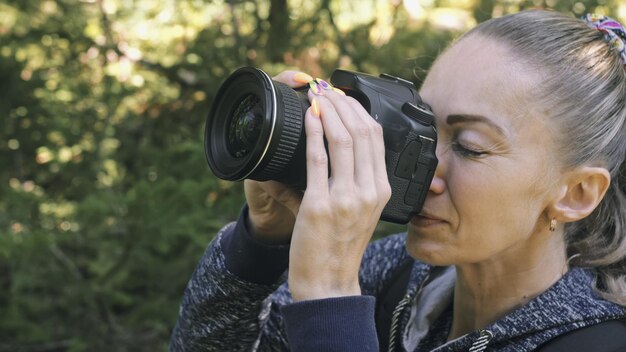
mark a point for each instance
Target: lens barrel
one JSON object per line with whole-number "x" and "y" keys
{"x": 255, "y": 129}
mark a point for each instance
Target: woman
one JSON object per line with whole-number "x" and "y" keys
{"x": 521, "y": 238}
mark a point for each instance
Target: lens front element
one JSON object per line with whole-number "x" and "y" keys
{"x": 245, "y": 126}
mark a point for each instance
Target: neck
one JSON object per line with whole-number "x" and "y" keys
{"x": 484, "y": 292}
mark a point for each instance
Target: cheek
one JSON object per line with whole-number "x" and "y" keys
{"x": 474, "y": 188}
{"x": 495, "y": 207}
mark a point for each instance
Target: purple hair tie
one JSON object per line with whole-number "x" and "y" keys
{"x": 614, "y": 32}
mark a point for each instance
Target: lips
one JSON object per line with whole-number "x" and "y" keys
{"x": 429, "y": 216}
{"x": 426, "y": 219}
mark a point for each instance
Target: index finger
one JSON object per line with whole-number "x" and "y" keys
{"x": 293, "y": 78}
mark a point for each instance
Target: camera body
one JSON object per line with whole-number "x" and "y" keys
{"x": 255, "y": 130}
{"x": 409, "y": 133}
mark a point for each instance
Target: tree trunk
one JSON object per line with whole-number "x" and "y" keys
{"x": 278, "y": 40}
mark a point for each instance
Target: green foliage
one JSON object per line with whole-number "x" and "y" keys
{"x": 106, "y": 201}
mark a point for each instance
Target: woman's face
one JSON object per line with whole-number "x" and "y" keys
{"x": 494, "y": 180}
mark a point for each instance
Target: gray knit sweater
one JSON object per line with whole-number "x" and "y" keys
{"x": 232, "y": 304}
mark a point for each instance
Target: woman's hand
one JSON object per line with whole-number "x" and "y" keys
{"x": 272, "y": 206}
{"x": 338, "y": 214}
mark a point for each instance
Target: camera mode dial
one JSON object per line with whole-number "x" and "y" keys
{"x": 418, "y": 113}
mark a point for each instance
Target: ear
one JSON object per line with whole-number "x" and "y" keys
{"x": 583, "y": 190}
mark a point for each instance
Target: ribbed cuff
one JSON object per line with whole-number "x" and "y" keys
{"x": 250, "y": 259}
{"x": 332, "y": 324}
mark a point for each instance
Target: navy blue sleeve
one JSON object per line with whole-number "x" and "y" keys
{"x": 250, "y": 259}
{"x": 334, "y": 324}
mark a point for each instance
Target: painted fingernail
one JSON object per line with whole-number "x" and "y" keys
{"x": 324, "y": 84}
{"x": 315, "y": 107}
{"x": 339, "y": 91}
{"x": 302, "y": 77}
{"x": 315, "y": 88}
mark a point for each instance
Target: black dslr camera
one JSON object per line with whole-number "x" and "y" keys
{"x": 255, "y": 130}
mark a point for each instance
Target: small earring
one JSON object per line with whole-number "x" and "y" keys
{"x": 552, "y": 224}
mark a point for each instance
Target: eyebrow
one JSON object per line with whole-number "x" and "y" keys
{"x": 454, "y": 119}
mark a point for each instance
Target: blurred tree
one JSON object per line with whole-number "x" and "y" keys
{"x": 106, "y": 202}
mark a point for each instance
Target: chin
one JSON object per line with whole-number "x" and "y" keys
{"x": 428, "y": 251}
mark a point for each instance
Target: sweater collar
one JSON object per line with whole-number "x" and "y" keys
{"x": 569, "y": 304}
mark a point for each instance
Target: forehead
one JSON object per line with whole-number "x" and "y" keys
{"x": 481, "y": 76}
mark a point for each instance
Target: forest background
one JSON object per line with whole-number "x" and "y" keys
{"x": 106, "y": 200}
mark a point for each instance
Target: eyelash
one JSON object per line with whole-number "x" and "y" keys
{"x": 465, "y": 152}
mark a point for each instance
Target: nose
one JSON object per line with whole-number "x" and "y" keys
{"x": 438, "y": 184}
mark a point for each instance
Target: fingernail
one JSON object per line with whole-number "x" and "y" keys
{"x": 315, "y": 107}
{"x": 337, "y": 90}
{"x": 315, "y": 88}
{"x": 324, "y": 84}
{"x": 302, "y": 77}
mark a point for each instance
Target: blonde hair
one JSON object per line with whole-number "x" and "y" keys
{"x": 584, "y": 89}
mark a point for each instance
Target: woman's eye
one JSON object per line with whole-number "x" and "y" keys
{"x": 466, "y": 152}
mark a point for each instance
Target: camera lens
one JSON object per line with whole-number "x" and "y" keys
{"x": 245, "y": 126}
{"x": 255, "y": 129}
